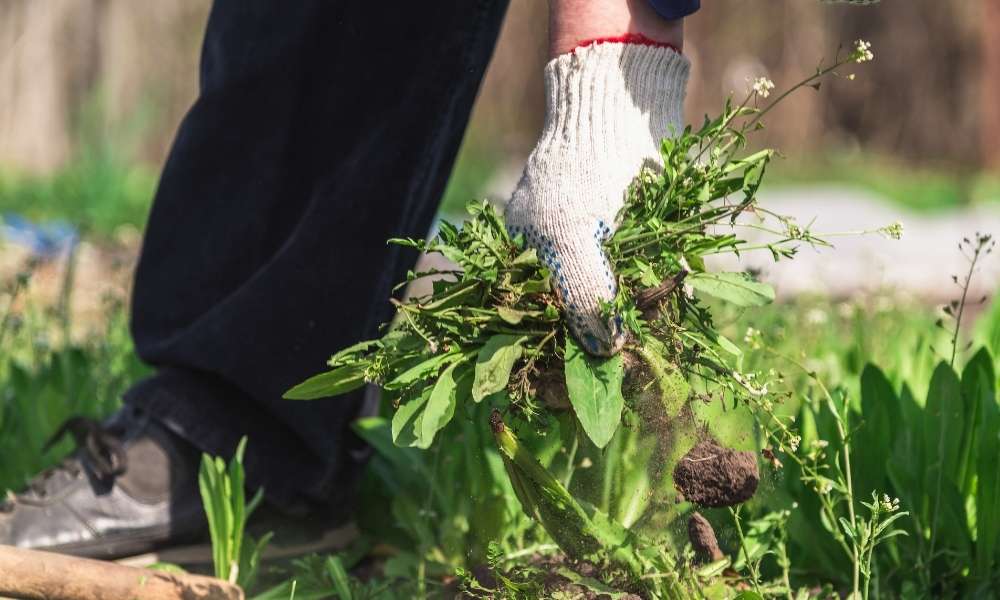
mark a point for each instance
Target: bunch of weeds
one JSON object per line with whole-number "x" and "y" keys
{"x": 492, "y": 332}
{"x": 895, "y": 493}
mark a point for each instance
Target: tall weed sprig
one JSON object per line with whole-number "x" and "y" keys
{"x": 235, "y": 554}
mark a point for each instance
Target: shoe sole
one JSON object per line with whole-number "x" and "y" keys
{"x": 195, "y": 556}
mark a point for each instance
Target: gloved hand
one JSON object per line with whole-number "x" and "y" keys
{"x": 608, "y": 106}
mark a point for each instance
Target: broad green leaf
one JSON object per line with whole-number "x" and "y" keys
{"x": 440, "y": 407}
{"x": 528, "y": 257}
{"x": 977, "y": 380}
{"x": 728, "y": 345}
{"x": 514, "y": 316}
{"x": 949, "y": 519}
{"x": 351, "y": 353}
{"x": 907, "y": 468}
{"x": 332, "y": 383}
{"x": 406, "y": 421}
{"x": 494, "y": 363}
{"x": 736, "y": 288}
{"x": 943, "y": 423}
{"x": 595, "y": 391}
{"x": 987, "y": 456}
{"x": 423, "y": 369}
{"x": 873, "y": 442}
{"x": 537, "y": 286}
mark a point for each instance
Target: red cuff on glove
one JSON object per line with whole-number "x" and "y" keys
{"x": 627, "y": 38}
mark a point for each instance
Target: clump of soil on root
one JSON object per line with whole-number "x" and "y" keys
{"x": 703, "y": 539}
{"x": 713, "y": 476}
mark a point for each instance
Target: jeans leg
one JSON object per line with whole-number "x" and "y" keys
{"x": 322, "y": 129}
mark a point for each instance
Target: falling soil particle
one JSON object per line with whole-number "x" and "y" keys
{"x": 702, "y": 538}
{"x": 710, "y": 475}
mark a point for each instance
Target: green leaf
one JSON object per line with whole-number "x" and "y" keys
{"x": 595, "y": 391}
{"x": 338, "y": 575}
{"x": 943, "y": 422}
{"x": 907, "y": 468}
{"x": 728, "y": 345}
{"x": 977, "y": 380}
{"x": 874, "y": 440}
{"x": 440, "y": 407}
{"x": 406, "y": 421}
{"x": 736, "y": 288}
{"x": 494, "y": 363}
{"x": 332, "y": 383}
{"x": 528, "y": 257}
{"x": 514, "y": 316}
{"x": 423, "y": 370}
{"x": 351, "y": 353}
{"x": 988, "y": 473}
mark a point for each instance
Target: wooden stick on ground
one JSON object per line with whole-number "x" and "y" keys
{"x": 38, "y": 575}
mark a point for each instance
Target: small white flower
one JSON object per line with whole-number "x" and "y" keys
{"x": 893, "y": 230}
{"x": 794, "y": 442}
{"x": 763, "y": 86}
{"x": 889, "y": 504}
{"x": 850, "y": 77}
{"x": 816, "y": 316}
{"x": 862, "y": 51}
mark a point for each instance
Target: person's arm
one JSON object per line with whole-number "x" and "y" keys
{"x": 574, "y": 22}
{"x": 614, "y": 89}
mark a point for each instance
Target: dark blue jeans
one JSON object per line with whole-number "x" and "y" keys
{"x": 322, "y": 129}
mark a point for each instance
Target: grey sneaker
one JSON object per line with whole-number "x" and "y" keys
{"x": 131, "y": 487}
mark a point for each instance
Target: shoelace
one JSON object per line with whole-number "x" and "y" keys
{"x": 100, "y": 447}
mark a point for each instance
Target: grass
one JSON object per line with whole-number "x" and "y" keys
{"x": 44, "y": 381}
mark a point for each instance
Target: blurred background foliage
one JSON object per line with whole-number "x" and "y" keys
{"x": 91, "y": 92}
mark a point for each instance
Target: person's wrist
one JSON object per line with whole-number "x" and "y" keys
{"x": 632, "y": 95}
{"x": 576, "y": 23}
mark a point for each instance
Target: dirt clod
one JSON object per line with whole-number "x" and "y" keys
{"x": 711, "y": 475}
{"x": 703, "y": 540}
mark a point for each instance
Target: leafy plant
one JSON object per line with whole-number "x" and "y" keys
{"x": 235, "y": 554}
{"x": 492, "y": 331}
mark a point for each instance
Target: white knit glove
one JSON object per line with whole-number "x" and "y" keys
{"x": 607, "y": 108}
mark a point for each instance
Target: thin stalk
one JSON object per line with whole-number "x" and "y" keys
{"x": 961, "y": 309}
{"x": 754, "y": 575}
{"x": 808, "y": 80}
{"x": 570, "y": 466}
{"x": 848, "y": 479}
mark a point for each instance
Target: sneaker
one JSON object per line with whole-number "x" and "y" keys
{"x": 131, "y": 487}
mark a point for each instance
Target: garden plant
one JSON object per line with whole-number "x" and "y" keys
{"x": 609, "y": 456}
